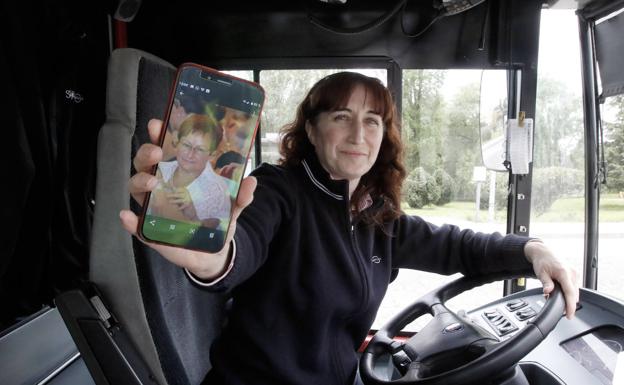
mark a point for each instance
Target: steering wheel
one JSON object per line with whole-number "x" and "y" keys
{"x": 452, "y": 349}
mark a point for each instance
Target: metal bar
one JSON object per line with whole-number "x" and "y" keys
{"x": 519, "y": 210}
{"x": 601, "y": 8}
{"x": 592, "y": 184}
{"x": 513, "y": 105}
{"x": 59, "y": 369}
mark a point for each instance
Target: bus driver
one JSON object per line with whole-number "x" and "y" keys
{"x": 298, "y": 261}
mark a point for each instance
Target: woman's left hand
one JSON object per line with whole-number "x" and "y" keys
{"x": 548, "y": 268}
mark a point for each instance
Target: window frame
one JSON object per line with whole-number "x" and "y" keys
{"x": 393, "y": 71}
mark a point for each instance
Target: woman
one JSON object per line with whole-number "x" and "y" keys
{"x": 317, "y": 239}
{"x": 188, "y": 189}
{"x": 235, "y": 126}
{"x": 183, "y": 106}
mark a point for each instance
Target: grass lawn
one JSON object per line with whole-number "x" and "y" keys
{"x": 563, "y": 210}
{"x": 464, "y": 210}
{"x": 573, "y": 210}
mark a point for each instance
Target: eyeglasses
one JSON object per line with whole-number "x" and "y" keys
{"x": 188, "y": 147}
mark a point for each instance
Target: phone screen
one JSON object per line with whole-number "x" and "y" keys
{"x": 210, "y": 126}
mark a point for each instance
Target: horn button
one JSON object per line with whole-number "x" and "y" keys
{"x": 446, "y": 340}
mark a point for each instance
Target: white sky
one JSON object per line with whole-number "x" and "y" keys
{"x": 559, "y": 56}
{"x": 559, "y": 51}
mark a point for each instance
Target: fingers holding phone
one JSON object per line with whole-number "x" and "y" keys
{"x": 147, "y": 156}
{"x": 143, "y": 181}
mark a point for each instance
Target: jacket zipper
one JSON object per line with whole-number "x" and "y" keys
{"x": 360, "y": 264}
{"x": 338, "y": 364}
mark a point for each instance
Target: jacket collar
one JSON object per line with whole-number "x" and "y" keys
{"x": 337, "y": 189}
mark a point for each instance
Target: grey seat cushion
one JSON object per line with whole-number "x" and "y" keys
{"x": 171, "y": 321}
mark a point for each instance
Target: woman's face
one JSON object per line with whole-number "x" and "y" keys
{"x": 193, "y": 152}
{"x": 347, "y": 141}
{"x": 232, "y": 122}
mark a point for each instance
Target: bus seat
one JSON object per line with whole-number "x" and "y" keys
{"x": 170, "y": 321}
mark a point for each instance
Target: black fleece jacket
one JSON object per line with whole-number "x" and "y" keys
{"x": 307, "y": 281}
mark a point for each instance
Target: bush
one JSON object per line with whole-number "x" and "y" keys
{"x": 421, "y": 189}
{"x": 500, "y": 194}
{"x": 548, "y": 185}
{"x": 552, "y": 183}
{"x": 446, "y": 185}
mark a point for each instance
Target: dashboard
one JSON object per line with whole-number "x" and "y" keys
{"x": 587, "y": 350}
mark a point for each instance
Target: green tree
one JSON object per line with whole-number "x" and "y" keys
{"x": 614, "y": 146}
{"x": 552, "y": 183}
{"x": 558, "y": 126}
{"x": 461, "y": 139}
{"x": 421, "y": 189}
{"x": 284, "y": 91}
{"x": 446, "y": 185}
{"x": 423, "y": 117}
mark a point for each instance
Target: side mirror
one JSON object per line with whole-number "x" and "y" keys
{"x": 493, "y": 119}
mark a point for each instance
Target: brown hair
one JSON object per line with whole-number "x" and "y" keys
{"x": 203, "y": 124}
{"x": 332, "y": 93}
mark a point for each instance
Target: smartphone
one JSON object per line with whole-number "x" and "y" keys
{"x": 210, "y": 124}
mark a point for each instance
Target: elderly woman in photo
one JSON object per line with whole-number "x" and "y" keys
{"x": 188, "y": 188}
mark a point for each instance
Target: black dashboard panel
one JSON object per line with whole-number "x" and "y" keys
{"x": 586, "y": 350}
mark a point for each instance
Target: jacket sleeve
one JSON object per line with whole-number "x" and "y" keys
{"x": 447, "y": 249}
{"x": 273, "y": 203}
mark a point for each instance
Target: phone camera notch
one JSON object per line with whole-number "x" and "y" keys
{"x": 210, "y": 77}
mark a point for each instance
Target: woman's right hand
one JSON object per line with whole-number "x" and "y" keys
{"x": 203, "y": 265}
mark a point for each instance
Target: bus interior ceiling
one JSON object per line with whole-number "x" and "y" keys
{"x": 234, "y": 34}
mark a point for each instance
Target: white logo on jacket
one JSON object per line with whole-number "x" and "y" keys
{"x": 73, "y": 96}
{"x": 376, "y": 259}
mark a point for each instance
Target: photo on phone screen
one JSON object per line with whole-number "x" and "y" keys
{"x": 210, "y": 126}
